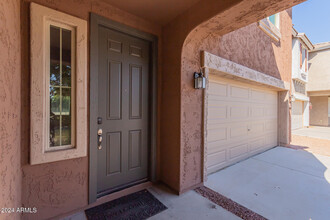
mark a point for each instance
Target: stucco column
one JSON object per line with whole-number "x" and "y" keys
{"x": 283, "y": 118}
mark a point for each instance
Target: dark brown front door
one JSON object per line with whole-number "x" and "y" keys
{"x": 123, "y": 105}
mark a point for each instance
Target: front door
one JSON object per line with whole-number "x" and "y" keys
{"x": 123, "y": 109}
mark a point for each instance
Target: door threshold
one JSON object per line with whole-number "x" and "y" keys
{"x": 120, "y": 188}
{"x": 126, "y": 191}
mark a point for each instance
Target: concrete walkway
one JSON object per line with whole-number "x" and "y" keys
{"x": 281, "y": 183}
{"x": 189, "y": 206}
{"x": 314, "y": 132}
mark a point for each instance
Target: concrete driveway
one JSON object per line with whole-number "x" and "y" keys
{"x": 314, "y": 132}
{"x": 281, "y": 183}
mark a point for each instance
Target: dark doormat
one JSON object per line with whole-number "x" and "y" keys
{"x": 136, "y": 206}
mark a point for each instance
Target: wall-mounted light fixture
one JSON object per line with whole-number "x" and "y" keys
{"x": 293, "y": 98}
{"x": 199, "y": 80}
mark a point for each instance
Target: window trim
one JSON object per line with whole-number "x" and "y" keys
{"x": 270, "y": 29}
{"x": 40, "y": 104}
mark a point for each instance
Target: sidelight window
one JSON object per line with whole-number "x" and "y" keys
{"x": 61, "y": 86}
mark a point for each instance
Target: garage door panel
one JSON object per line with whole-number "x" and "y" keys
{"x": 217, "y": 89}
{"x": 217, "y": 146}
{"x": 257, "y": 95}
{"x": 239, "y": 92}
{"x": 217, "y": 114}
{"x": 270, "y": 96}
{"x": 241, "y": 121}
{"x": 271, "y": 111}
{"x": 219, "y": 134}
{"x": 257, "y": 111}
{"x": 271, "y": 139}
{"x": 238, "y": 151}
{"x": 238, "y": 131}
{"x": 257, "y": 144}
{"x": 217, "y": 158}
{"x": 271, "y": 125}
{"x": 257, "y": 128}
{"x": 239, "y": 111}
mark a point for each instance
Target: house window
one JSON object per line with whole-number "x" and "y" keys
{"x": 58, "y": 86}
{"x": 303, "y": 58}
{"x": 306, "y": 61}
{"x": 61, "y": 86}
{"x": 271, "y": 26}
{"x": 275, "y": 20}
{"x": 301, "y": 55}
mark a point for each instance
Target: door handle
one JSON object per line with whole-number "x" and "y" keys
{"x": 99, "y": 138}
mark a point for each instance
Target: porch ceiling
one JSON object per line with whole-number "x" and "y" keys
{"x": 158, "y": 11}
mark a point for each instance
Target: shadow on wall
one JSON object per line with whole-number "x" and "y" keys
{"x": 310, "y": 57}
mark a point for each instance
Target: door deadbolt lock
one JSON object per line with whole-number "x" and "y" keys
{"x": 99, "y": 139}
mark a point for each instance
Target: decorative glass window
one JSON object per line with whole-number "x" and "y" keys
{"x": 61, "y": 86}
{"x": 58, "y": 85}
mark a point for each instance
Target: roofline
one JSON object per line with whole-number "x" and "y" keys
{"x": 303, "y": 38}
{"x": 294, "y": 32}
{"x": 325, "y": 47}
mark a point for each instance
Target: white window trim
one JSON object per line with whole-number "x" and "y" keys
{"x": 270, "y": 29}
{"x": 41, "y": 18}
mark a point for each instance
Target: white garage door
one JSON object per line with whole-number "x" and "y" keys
{"x": 297, "y": 115}
{"x": 241, "y": 121}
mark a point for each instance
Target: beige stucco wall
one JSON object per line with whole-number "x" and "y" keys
{"x": 10, "y": 115}
{"x": 319, "y": 111}
{"x": 319, "y": 71}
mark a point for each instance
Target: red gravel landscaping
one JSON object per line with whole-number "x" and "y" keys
{"x": 229, "y": 204}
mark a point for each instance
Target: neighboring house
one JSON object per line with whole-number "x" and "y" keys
{"x": 97, "y": 96}
{"x": 318, "y": 87}
{"x": 300, "y": 101}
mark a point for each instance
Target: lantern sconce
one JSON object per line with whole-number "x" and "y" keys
{"x": 293, "y": 98}
{"x": 199, "y": 80}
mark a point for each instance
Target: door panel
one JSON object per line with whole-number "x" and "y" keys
{"x": 241, "y": 121}
{"x": 123, "y": 97}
